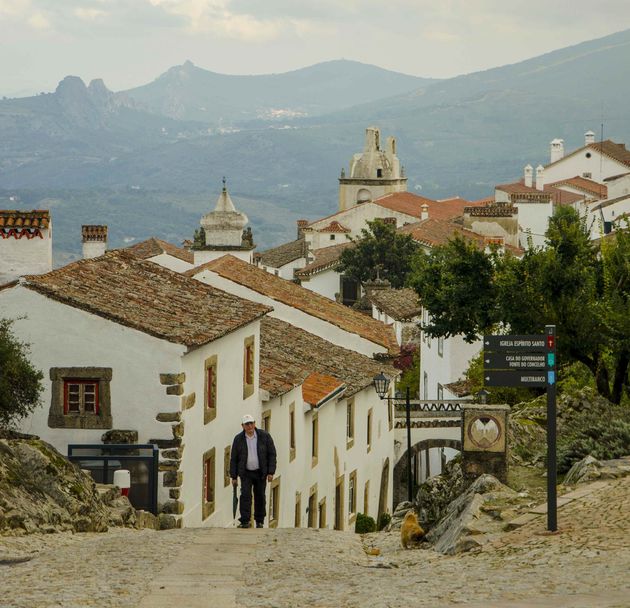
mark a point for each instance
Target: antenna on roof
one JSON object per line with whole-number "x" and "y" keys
{"x": 224, "y": 180}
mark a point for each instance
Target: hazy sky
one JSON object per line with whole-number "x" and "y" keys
{"x": 130, "y": 42}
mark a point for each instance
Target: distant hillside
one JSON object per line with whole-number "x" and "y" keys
{"x": 458, "y": 136}
{"x": 187, "y": 92}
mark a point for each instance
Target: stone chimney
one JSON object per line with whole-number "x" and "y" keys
{"x": 557, "y": 150}
{"x": 540, "y": 178}
{"x": 301, "y": 224}
{"x": 94, "y": 241}
{"x": 589, "y": 138}
{"x": 528, "y": 174}
{"x": 424, "y": 212}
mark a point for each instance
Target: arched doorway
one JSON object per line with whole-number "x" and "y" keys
{"x": 426, "y": 460}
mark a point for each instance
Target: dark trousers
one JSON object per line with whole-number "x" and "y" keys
{"x": 257, "y": 481}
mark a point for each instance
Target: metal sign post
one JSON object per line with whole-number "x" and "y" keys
{"x": 552, "y": 466}
{"x": 529, "y": 362}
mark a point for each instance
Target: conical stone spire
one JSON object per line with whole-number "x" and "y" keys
{"x": 224, "y": 202}
{"x": 223, "y": 227}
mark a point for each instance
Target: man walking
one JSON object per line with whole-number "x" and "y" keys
{"x": 253, "y": 459}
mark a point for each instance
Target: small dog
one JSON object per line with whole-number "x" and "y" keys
{"x": 410, "y": 531}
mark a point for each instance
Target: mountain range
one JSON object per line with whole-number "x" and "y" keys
{"x": 282, "y": 139}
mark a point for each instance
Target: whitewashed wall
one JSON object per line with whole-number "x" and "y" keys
{"x": 23, "y": 256}
{"x": 533, "y": 218}
{"x": 296, "y": 317}
{"x": 171, "y": 262}
{"x": 355, "y": 219}
{"x": 220, "y": 432}
{"x": 63, "y": 336}
{"x": 204, "y": 256}
{"x": 599, "y": 166}
{"x": 334, "y": 457}
{"x": 286, "y": 270}
{"x": 446, "y": 368}
{"x": 326, "y": 283}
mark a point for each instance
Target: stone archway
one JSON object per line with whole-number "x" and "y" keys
{"x": 399, "y": 493}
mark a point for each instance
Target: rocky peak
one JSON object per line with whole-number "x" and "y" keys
{"x": 71, "y": 87}
{"x": 98, "y": 90}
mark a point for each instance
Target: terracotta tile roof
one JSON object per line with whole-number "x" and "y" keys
{"x": 549, "y": 192}
{"x": 289, "y": 355}
{"x": 145, "y": 296}
{"x": 433, "y": 233}
{"x": 325, "y": 258}
{"x": 484, "y": 201}
{"x": 283, "y": 254}
{"x": 460, "y": 388}
{"x": 411, "y": 204}
{"x": 37, "y": 218}
{"x": 318, "y": 388}
{"x": 335, "y": 226}
{"x": 94, "y": 233}
{"x": 585, "y": 185}
{"x": 399, "y": 304}
{"x": 152, "y": 247}
{"x": 312, "y": 303}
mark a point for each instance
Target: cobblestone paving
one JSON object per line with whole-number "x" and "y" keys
{"x": 586, "y": 565}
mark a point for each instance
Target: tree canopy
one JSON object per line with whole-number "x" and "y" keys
{"x": 581, "y": 288}
{"x": 20, "y": 383}
{"x": 379, "y": 251}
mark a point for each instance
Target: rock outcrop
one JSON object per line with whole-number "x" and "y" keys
{"x": 472, "y": 515}
{"x": 41, "y": 491}
{"x": 588, "y": 424}
{"x": 436, "y": 493}
{"x": 591, "y": 469}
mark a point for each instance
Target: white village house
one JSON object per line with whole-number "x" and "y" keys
{"x": 166, "y": 361}
{"x": 292, "y": 303}
{"x": 25, "y": 243}
{"x": 177, "y": 362}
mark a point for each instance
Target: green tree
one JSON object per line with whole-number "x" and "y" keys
{"x": 20, "y": 383}
{"x": 379, "y": 250}
{"x": 568, "y": 283}
{"x": 455, "y": 284}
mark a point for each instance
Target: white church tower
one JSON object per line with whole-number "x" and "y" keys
{"x": 374, "y": 172}
{"x": 222, "y": 231}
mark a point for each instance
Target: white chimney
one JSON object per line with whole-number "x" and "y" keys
{"x": 589, "y": 138}
{"x": 557, "y": 150}
{"x": 424, "y": 213}
{"x": 540, "y": 178}
{"x": 529, "y": 174}
{"x": 94, "y": 240}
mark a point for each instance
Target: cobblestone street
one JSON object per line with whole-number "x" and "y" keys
{"x": 585, "y": 565}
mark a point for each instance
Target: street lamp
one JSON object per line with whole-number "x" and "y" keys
{"x": 381, "y": 385}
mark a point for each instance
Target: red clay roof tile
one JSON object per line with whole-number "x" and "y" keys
{"x": 145, "y": 296}
{"x": 312, "y": 303}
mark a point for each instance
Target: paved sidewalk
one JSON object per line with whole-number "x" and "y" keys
{"x": 208, "y": 571}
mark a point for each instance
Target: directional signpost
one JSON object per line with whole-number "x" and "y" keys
{"x": 529, "y": 362}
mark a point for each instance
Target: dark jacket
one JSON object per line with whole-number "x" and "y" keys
{"x": 266, "y": 454}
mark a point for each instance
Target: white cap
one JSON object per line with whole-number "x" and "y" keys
{"x": 248, "y": 418}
